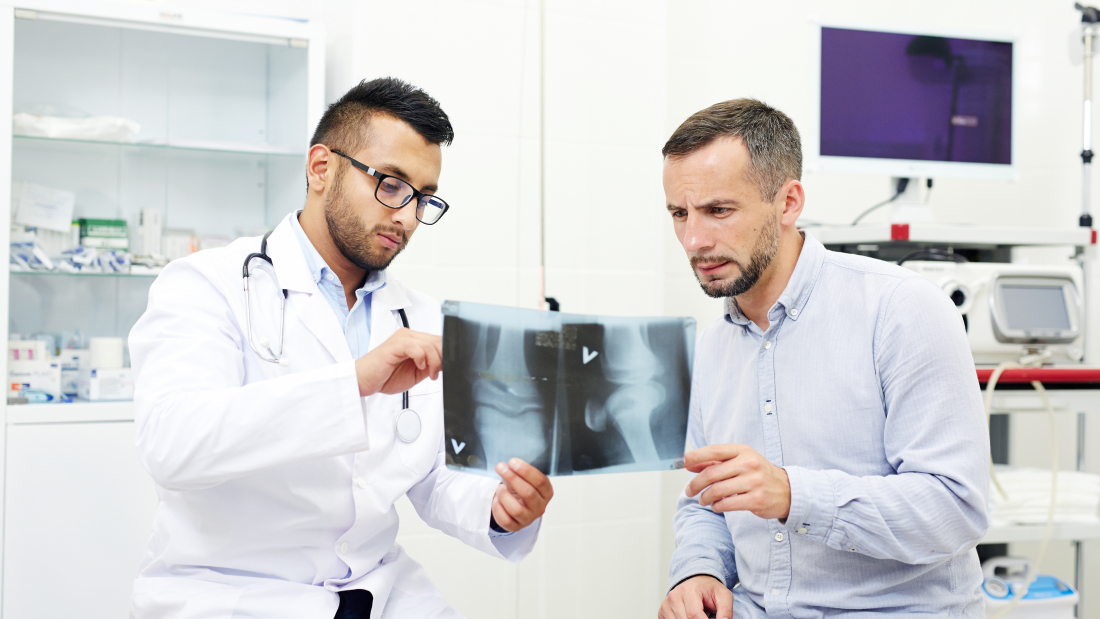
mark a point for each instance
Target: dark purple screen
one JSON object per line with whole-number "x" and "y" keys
{"x": 902, "y": 96}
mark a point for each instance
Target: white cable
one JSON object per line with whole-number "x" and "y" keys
{"x": 1049, "y": 528}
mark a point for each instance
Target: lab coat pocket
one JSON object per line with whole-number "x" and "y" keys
{"x": 420, "y": 454}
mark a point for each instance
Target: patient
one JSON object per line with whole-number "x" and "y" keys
{"x": 842, "y": 461}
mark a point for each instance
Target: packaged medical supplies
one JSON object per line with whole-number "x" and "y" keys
{"x": 1028, "y": 502}
{"x": 71, "y": 362}
{"x": 104, "y": 233}
{"x": 101, "y": 128}
{"x": 106, "y": 384}
{"x": 33, "y": 373}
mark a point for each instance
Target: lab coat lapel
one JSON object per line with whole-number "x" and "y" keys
{"x": 305, "y": 299}
{"x": 384, "y": 319}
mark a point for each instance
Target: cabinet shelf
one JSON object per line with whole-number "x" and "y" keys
{"x": 199, "y": 146}
{"x": 1034, "y": 533}
{"x": 82, "y": 275}
{"x": 78, "y": 411}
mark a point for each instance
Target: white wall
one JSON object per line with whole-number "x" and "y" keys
{"x": 619, "y": 77}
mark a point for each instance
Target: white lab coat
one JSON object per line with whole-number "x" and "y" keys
{"x": 277, "y": 484}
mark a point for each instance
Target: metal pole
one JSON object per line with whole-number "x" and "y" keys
{"x": 1086, "y": 142}
{"x": 1078, "y": 545}
{"x": 1090, "y": 16}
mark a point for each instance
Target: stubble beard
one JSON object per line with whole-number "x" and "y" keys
{"x": 765, "y": 251}
{"x": 345, "y": 228}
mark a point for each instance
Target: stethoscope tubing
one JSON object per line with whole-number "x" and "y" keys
{"x": 277, "y": 357}
{"x": 404, "y": 323}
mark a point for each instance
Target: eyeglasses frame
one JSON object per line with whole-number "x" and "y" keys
{"x": 381, "y": 176}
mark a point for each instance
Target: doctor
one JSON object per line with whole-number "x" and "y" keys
{"x": 272, "y": 413}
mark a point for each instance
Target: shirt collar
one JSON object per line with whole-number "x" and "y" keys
{"x": 798, "y": 289}
{"x": 318, "y": 268}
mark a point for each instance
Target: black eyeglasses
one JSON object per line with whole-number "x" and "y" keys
{"x": 395, "y": 193}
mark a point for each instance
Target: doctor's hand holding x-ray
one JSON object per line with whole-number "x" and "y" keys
{"x": 407, "y": 358}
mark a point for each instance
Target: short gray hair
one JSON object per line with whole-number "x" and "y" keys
{"x": 775, "y": 150}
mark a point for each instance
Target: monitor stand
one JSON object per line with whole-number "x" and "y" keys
{"x": 911, "y": 206}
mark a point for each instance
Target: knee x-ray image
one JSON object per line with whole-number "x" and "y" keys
{"x": 571, "y": 394}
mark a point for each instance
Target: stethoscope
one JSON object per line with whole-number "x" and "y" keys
{"x": 407, "y": 424}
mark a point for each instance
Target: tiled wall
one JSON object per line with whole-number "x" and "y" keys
{"x": 619, "y": 77}
{"x": 604, "y": 547}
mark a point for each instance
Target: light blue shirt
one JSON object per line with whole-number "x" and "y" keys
{"x": 863, "y": 389}
{"x": 355, "y": 322}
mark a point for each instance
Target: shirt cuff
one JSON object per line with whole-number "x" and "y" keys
{"x": 812, "y": 503}
{"x": 701, "y": 573}
{"x": 515, "y": 546}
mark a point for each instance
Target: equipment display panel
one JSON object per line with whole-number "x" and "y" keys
{"x": 1039, "y": 310}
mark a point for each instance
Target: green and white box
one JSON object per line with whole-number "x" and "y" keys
{"x": 104, "y": 233}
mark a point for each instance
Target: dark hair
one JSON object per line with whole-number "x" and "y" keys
{"x": 775, "y": 150}
{"x": 344, "y": 126}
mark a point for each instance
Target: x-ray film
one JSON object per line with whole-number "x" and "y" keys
{"x": 569, "y": 393}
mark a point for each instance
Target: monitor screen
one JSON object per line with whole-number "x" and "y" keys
{"x": 1035, "y": 307}
{"x": 915, "y": 97}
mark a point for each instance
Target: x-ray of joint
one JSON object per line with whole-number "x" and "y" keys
{"x": 571, "y": 394}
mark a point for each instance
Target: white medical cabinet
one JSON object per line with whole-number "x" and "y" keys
{"x": 225, "y": 104}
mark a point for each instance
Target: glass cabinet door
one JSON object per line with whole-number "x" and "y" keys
{"x": 219, "y": 149}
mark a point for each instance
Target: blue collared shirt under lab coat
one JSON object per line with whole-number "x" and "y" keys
{"x": 354, "y": 322}
{"x": 863, "y": 389}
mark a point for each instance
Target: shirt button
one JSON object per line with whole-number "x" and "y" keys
{"x": 767, "y": 345}
{"x": 767, "y": 408}
{"x": 802, "y": 530}
{"x": 794, "y": 312}
{"x": 343, "y": 548}
{"x": 778, "y": 537}
{"x": 775, "y": 591}
{"x": 361, "y": 482}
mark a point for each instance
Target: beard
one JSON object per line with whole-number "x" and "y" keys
{"x": 347, "y": 233}
{"x": 767, "y": 247}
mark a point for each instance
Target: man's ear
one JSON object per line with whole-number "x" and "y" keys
{"x": 317, "y": 167}
{"x": 794, "y": 198}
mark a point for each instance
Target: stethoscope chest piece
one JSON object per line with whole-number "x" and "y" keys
{"x": 408, "y": 425}
{"x": 408, "y": 421}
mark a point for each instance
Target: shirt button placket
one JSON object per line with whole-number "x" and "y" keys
{"x": 779, "y": 578}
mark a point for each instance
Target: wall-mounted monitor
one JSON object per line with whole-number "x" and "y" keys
{"x": 912, "y": 104}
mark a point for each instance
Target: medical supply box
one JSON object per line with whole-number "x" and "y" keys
{"x": 40, "y": 376}
{"x": 104, "y": 233}
{"x": 71, "y": 363}
{"x": 106, "y": 384}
